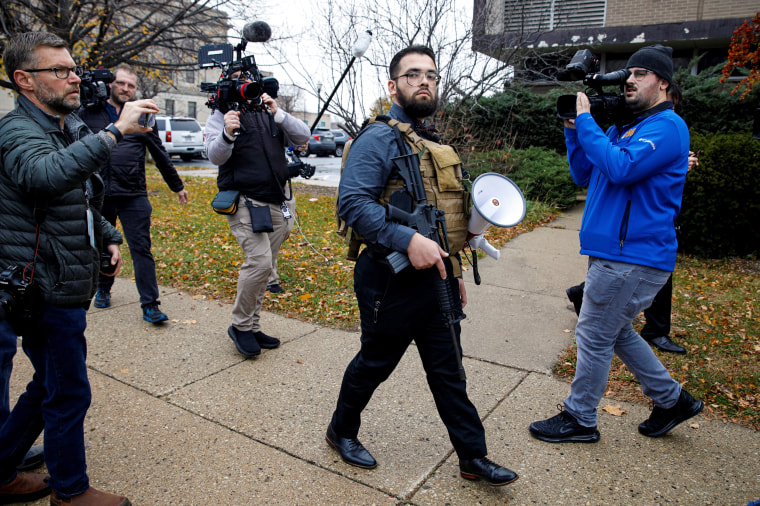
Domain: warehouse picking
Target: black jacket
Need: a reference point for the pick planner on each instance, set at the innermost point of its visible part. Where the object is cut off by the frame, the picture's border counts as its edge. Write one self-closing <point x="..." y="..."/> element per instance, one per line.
<point x="257" y="166"/>
<point x="37" y="158"/>
<point x="124" y="172"/>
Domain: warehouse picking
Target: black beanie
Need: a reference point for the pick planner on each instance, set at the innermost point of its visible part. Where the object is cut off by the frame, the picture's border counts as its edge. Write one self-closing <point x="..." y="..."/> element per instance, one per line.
<point x="657" y="58"/>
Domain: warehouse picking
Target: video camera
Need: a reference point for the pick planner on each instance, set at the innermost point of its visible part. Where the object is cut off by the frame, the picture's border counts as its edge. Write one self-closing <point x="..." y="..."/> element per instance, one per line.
<point x="235" y="93"/>
<point x="94" y="89"/>
<point x="296" y="167"/>
<point x="605" y="107"/>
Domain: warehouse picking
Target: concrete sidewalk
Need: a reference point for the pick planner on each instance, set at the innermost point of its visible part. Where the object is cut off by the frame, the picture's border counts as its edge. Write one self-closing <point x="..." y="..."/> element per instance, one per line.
<point x="179" y="417"/>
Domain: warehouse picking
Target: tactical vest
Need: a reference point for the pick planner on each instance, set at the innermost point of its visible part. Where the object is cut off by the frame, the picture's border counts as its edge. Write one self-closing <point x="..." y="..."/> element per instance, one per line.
<point x="441" y="171"/>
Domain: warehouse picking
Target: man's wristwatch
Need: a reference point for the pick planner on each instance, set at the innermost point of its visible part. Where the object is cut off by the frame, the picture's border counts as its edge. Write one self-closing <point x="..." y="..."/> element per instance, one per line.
<point x="115" y="131"/>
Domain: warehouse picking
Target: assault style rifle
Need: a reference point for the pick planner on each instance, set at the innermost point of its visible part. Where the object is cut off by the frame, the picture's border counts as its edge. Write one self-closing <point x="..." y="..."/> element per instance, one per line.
<point x="430" y="222"/>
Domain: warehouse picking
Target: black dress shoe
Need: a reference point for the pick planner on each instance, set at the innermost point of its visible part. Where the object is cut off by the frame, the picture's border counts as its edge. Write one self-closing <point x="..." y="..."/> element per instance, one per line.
<point x="663" y="343"/>
<point x="575" y="294"/>
<point x="350" y="450"/>
<point x="34" y="458"/>
<point x="494" y="474"/>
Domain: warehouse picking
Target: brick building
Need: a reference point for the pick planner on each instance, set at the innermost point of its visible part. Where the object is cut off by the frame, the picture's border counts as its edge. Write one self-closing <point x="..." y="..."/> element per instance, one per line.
<point x="612" y="29"/>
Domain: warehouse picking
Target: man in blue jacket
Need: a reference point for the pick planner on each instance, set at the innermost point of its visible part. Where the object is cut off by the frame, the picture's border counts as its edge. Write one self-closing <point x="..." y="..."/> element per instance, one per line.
<point x="635" y="177"/>
<point x="126" y="194"/>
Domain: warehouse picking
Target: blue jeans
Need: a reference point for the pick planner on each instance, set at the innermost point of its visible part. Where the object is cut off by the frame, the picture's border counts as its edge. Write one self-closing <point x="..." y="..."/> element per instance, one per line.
<point x="614" y="295"/>
<point x="134" y="214"/>
<point x="8" y="345"/>
<point x="56" y="399"/>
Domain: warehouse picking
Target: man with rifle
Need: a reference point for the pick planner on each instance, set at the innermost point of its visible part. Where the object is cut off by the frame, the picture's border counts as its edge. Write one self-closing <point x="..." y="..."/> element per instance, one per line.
<point x="408" y="285"/>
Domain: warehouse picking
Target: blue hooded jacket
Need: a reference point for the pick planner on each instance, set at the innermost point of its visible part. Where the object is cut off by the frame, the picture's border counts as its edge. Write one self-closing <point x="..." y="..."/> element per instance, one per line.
<point x="635" y="177"/>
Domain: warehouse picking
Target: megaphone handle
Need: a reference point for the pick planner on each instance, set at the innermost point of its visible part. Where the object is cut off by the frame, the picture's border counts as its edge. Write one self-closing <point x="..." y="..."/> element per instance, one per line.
<point x="475" y="272"/>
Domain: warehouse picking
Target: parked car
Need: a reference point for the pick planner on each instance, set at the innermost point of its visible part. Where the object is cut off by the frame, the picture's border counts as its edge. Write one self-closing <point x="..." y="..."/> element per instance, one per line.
<point x="322" y="143"/>
<point x="341" y="138"/>
<point x="181" y="137"/>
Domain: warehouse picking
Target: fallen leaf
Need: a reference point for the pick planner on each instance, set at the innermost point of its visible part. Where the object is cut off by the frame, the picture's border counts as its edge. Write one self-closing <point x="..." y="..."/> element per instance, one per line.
<point x="614" y="410"/>
<point x="694" y="425"/>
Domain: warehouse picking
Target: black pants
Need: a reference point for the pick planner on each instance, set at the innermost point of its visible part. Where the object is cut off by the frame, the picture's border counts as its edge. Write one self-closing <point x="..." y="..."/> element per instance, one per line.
<point x="134" y="214"/>
<point x="658" y="315"/>
<point x="394" y="311"/>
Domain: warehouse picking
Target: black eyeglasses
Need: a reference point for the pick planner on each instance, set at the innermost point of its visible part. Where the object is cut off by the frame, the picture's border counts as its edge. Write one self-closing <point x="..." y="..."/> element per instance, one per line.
<point x="61" y="72"/>
<point x="640" y="74"/>
<point x="414" y="78"/>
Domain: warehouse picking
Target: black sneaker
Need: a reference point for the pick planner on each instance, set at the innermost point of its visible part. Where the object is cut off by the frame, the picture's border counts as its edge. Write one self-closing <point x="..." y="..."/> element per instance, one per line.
<point x="102" y="299"/>
<point x="152" y="314"/>
<point x="563" y="428"/>
<point x="265" y="341"/>
<point x="662" y="420"/>
<point x="245" y="342"/>
<point x="275" y="288"/>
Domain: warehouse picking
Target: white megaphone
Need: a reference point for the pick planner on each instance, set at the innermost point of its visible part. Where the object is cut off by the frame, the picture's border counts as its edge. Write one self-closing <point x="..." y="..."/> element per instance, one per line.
<point x="496" y="201"/>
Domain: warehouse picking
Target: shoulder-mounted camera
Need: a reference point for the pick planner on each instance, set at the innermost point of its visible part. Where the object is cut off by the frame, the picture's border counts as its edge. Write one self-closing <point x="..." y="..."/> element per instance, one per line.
<point x="95" y="87"/>
<point x="606" y="107"/>
<point x="242" y="92"/>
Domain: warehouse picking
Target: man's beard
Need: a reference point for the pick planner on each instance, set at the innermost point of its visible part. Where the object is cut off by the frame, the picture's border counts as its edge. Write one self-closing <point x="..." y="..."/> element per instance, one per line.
<point x="416" y="108"/>
<point x="59" y="104"/>
<point x="118" y="102"/>
<point x="638" y="103"/>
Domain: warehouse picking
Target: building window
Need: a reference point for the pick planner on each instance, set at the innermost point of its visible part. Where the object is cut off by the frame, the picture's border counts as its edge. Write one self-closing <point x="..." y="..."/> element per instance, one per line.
<point x="190" y="77"/>
<point x="523" y="16"/>
<point x="169" y="107"/>
<point x="191" y="110"/>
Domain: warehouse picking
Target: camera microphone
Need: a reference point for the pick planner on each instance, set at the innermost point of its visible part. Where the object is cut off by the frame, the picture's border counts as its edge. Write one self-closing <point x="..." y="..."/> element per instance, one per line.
<point x="258" y="31"/>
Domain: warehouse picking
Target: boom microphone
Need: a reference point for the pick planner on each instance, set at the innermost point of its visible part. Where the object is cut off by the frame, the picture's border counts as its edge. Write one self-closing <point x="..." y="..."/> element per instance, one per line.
<point x="258" y="31"/>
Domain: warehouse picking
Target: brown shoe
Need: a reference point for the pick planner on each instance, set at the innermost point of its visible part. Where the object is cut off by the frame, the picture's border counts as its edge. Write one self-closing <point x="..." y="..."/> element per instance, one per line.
<point x="90" y="497"/>
<point x="25" y="487"/>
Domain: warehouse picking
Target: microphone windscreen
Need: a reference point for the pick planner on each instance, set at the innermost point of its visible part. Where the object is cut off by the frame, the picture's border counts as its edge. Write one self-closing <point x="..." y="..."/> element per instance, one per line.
<point x="258" y="31"/>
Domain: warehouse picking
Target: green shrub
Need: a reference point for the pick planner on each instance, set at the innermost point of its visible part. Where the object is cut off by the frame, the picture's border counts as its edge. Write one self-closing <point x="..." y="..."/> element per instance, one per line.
<point x="721" y="202"/>
<point x="709" y="107"/>
<point x="541" y="174"/>
<point x="516" y="118"/>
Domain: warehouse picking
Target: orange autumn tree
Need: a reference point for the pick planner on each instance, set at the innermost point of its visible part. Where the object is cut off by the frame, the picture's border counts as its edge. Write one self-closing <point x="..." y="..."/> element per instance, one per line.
<point x="744" y="52"/>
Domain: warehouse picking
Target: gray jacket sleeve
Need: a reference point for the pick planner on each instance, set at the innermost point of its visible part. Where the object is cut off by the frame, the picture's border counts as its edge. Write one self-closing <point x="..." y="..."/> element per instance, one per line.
<point x="218" y="150"/>
<point x="296" y="131"/>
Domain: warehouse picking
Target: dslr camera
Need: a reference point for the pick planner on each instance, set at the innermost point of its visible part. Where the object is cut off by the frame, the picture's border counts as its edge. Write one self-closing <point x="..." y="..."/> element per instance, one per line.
<point x="95" y="87"/>
<point x="296" y="167"/>
<point x="243" y="93"/>
<point x="605" y="106"/>
<point x="19" y="299"/>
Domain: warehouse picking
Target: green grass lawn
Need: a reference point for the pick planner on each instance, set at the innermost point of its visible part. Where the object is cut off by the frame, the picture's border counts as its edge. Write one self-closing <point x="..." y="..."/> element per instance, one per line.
<point x="716" y="307"/>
